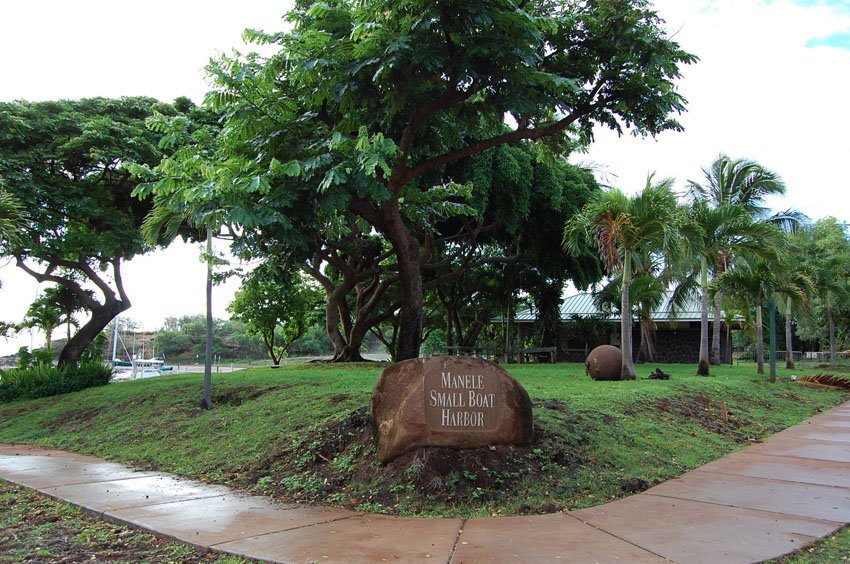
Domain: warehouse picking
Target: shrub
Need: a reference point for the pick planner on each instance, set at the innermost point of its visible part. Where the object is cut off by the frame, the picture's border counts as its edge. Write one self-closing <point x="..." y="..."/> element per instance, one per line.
<point x="27" y="359"/>
<point x="44" y="380"/>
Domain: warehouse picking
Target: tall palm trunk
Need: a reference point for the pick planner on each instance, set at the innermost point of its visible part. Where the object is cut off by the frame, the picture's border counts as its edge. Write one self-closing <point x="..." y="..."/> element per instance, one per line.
<point x="759" y="340"/>
<point x="789" y="341"/>
<point x="715" y="357"/>
<point x="702" y="369"/>
<point x="627" y="371"/>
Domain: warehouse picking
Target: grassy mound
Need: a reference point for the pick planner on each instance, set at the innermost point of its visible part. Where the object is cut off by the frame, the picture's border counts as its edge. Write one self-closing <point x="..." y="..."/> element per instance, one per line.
<point x="303" y="433"/>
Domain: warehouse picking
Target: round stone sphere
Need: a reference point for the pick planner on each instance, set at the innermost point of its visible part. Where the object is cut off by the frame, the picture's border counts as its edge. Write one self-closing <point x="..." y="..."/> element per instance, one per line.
<point x="605" y="362"/>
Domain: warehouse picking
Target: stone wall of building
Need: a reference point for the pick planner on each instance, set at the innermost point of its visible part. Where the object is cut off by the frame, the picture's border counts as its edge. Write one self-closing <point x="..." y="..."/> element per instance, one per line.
<point x="676" y="346"/>
<point x="672" y="346"/>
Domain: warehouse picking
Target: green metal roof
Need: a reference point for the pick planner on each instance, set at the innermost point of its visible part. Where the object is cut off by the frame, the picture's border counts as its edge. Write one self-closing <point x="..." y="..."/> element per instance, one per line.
<point x="582" y="305"/>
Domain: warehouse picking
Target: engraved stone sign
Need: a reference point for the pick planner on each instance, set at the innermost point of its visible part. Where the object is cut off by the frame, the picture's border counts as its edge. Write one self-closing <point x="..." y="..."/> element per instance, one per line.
<point x="458" y="402"/>
<point x="465" y="402"/>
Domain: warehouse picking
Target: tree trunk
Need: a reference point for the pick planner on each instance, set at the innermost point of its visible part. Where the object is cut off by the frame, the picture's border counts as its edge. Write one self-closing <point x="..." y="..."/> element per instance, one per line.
<point x="642" y="355"/>
<point x="759" y="340"/>
<point x="407" y="251"/>
<point x="831" y="319"/>
<point x="100" y="318"/>
<point x="789" y="340"/>
<point x="728" y="354"/>
<point x="206" y="399"/>
<point x="716" y="357"/>
<point x="269" y="340"/>
<point x="702" y="368"/>
<point x="353" y="343"/>
<point x="647" y="341"/>
<point x="332" y="322"/>
<point x="627" y="371"/>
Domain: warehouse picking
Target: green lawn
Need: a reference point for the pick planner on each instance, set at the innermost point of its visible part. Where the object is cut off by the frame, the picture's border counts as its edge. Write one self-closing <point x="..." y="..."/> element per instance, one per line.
<point x="301" y="433"/>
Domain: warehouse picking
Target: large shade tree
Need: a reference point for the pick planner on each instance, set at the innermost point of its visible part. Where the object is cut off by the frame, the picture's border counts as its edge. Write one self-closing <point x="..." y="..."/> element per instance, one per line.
<point x="64" y="162"/>
<point x="628" y="232"/>
<point x="369" y="102"/>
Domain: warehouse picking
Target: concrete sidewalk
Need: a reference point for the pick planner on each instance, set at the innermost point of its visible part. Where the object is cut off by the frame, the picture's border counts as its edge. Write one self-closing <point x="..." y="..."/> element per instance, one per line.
<point x="759" y="503"/>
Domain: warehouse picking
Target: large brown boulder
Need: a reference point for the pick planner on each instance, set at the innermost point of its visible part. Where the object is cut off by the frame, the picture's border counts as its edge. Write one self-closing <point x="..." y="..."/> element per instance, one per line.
<point x="605" y="362"/>
<point x="450" y="401"/>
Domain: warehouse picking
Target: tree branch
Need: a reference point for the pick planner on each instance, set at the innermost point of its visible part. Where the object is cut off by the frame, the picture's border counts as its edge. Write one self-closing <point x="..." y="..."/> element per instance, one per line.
<point x="72" y="285"/>
<point x="456" y="273"/>
<point x="401" y="173"/>
<point x="119" y="282"/>
<point x="513" y="136"/>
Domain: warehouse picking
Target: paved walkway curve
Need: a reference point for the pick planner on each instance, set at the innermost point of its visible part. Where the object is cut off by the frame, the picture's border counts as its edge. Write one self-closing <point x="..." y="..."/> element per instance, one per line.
<point x="759" y="503"/>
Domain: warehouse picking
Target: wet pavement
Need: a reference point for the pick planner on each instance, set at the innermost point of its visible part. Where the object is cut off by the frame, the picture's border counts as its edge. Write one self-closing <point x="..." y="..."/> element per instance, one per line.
<point x="759" y="503"/>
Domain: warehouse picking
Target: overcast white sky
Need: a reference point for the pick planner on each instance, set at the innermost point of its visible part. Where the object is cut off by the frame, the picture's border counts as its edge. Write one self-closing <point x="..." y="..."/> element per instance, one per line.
<point x="772" y="85"/>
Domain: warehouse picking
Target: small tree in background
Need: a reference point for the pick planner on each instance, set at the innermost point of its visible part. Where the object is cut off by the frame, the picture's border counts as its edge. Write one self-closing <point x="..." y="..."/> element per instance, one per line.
<point x="43" y="314"/>
<point x="825" y="257"/>
<point x="278" y="306"/>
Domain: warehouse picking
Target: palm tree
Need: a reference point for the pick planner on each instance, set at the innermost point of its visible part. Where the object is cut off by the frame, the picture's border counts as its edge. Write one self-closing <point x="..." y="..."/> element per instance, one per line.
<point x="790" y="221"/>
<point x="625" y="231"/>
<point x="717" y="235"/>
<point x="738" y="182"/>
<point x="735" y="183"/>
<point x="44" y="314"/>
<point x="754" y="280"/>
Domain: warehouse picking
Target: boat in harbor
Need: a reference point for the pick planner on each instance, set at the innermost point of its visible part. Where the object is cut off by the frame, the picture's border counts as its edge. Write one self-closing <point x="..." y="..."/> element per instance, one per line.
<point x="139" y="368"/>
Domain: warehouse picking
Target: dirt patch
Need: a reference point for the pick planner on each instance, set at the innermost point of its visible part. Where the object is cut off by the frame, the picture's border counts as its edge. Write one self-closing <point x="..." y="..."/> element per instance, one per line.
<point x="72" y="421"/>
<point x="136" y="402"/>
<point x="337" y="463"/>
<point x="12" y="412"/>
<point x="556" y="405"/>
<point x="710" y="414"/>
